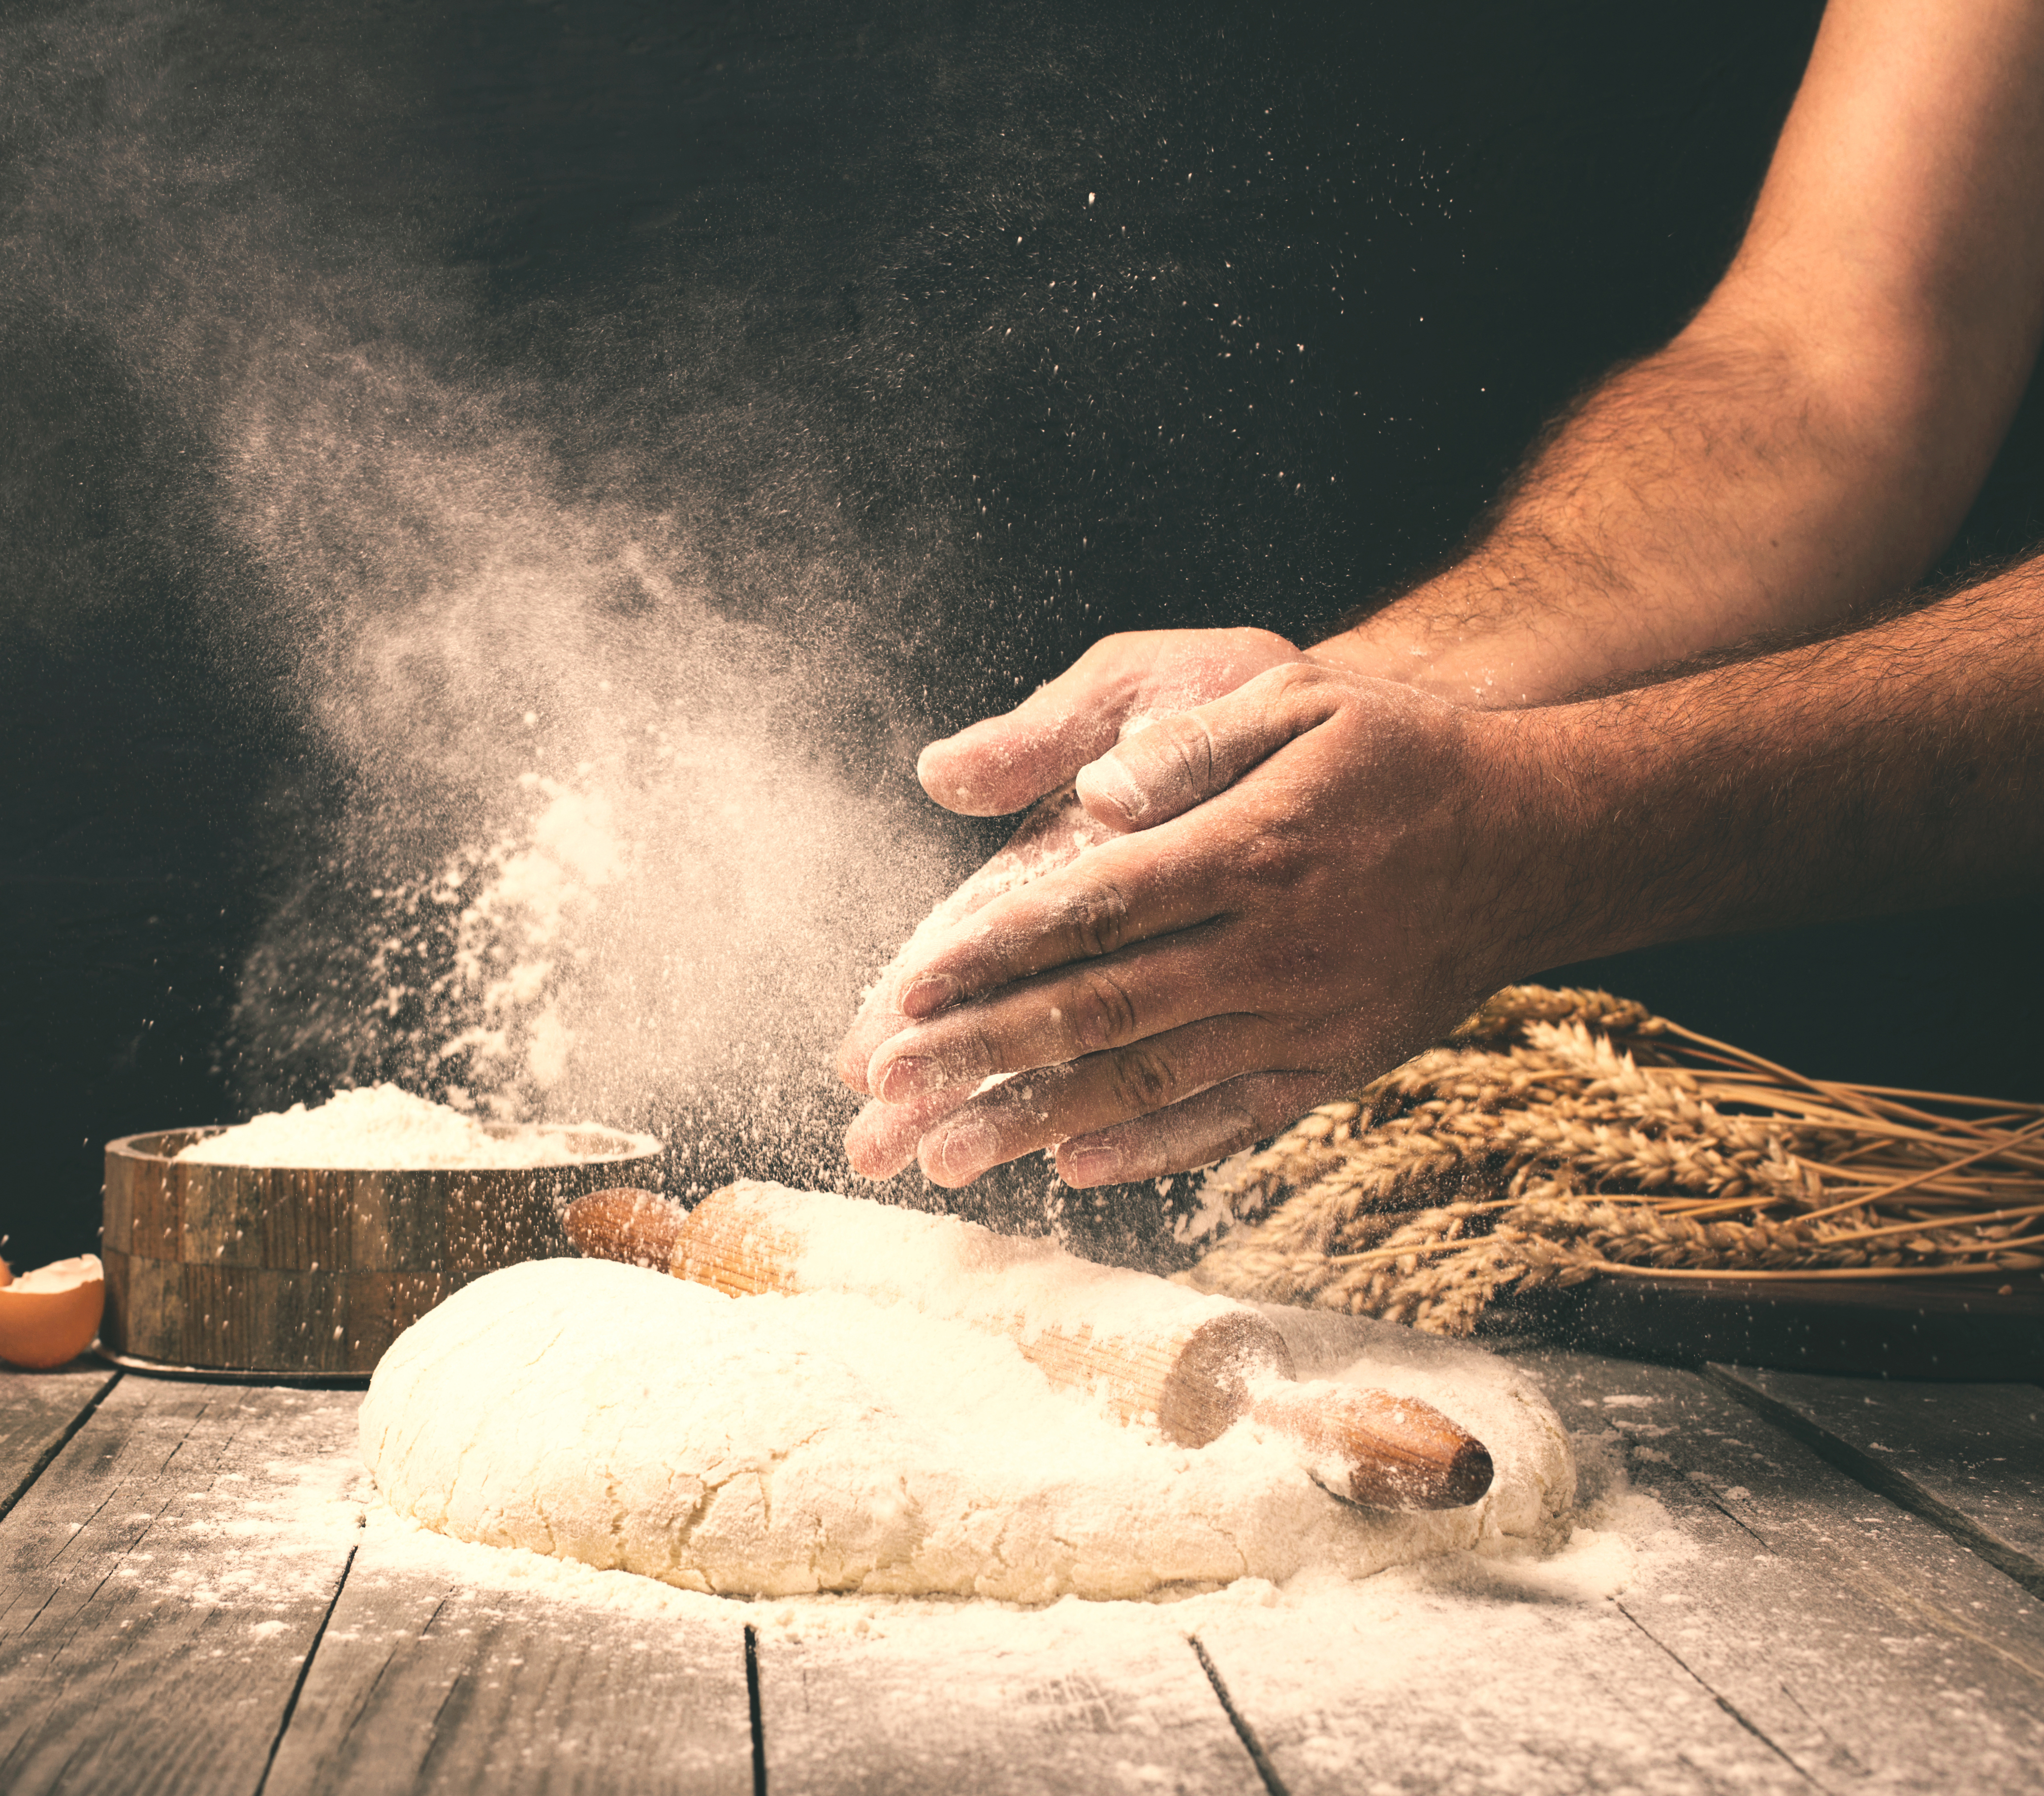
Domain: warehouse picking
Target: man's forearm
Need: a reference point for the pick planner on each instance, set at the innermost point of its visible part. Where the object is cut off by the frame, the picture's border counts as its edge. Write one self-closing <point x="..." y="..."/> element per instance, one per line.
<point x="1714" y="492"/>
<point x="1902" y="765"/>
<point x="1810" y="440"/>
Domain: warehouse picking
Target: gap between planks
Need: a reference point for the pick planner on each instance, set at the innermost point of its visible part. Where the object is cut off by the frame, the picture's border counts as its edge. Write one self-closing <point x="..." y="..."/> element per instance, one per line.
<point x="1718" y="1696"/>
<point x="142" y="1596"/>
<point x="1244" y="1732"/>
<point x="31" y="1448"/>
<point x="306" y="1670"/>
<point x="1885" y="1477"/>
<point x="1841" y="1630"/>
<point x="429" y="1678"/>
<point x="752" y="1710"/>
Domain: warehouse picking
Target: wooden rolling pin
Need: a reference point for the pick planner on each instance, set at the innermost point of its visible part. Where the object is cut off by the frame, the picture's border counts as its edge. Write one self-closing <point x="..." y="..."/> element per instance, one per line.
<point x="1147" y="1350"/>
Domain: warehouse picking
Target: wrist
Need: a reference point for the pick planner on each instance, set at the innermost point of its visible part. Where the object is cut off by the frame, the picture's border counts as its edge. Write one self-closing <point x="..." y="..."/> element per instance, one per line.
<point x="1479" y="636"/>
<point x="1372" y="653"/>
<point x="1559" y="837"/>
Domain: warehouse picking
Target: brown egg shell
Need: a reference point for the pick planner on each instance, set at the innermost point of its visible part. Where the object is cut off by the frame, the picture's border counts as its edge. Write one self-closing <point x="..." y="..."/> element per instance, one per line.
<point x="40" y="1330"/>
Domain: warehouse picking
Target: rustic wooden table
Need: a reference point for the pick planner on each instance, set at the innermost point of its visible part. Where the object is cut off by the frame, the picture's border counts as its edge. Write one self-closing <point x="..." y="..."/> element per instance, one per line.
<point x="1859" y="1605"/>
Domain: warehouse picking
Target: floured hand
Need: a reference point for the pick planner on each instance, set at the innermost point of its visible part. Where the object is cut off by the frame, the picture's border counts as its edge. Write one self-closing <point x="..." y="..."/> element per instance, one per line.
<point x="1028" y="757"/>
<point x="1302" y="884"/>
<point x="882" y="1139"/>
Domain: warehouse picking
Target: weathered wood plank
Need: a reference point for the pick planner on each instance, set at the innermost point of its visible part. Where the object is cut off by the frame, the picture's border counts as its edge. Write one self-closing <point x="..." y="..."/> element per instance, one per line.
<point x="1968" y="1457"/>
<point x="161" y="1584"/>
<point x="1864" y="1643"/>
<point x="426" y="1681"/>
<point x="1428" y="1685"/>
<point x="38" y="1410"/>
<point x="1469" y="1674"/>
<point x="1078" y="1698"/>
<point x="1799" y="1632"/>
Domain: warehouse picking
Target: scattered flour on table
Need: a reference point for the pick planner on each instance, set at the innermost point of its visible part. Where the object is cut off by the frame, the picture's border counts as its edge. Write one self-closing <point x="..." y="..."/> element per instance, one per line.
<point x="1498" y="1640"/>
<point x="775" y="1446"/>
<point x="380" y="1127"/>
<point x="254" y="1543"/>
<point x="256" y="1527"/>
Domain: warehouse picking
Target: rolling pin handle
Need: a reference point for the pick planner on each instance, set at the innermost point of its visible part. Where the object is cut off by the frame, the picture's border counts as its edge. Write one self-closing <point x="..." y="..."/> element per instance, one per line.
<point x="1381" y="1451"/>
<point x="638" y="1228"/>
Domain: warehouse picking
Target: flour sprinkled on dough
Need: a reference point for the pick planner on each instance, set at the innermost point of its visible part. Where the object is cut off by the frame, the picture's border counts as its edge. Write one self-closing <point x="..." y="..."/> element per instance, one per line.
<point x="780" y="1446"/>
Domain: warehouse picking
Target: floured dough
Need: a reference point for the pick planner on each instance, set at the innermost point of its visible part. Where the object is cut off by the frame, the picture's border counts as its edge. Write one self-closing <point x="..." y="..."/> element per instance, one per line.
<point x="777" y="1445"/>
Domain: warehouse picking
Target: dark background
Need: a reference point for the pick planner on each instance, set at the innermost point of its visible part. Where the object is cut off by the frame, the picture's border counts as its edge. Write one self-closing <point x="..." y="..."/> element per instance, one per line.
<point x="1341" y="263"/>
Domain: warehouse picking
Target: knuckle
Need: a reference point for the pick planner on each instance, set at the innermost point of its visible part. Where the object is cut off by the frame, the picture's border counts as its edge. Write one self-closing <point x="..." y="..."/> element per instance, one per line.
<point x="1144" y="1079"/>
<point x="1267" y="858"/>
<point x="1188" y="752"/>
<point x="1101" y="1014"/>
<point x="1291" y="684"/>
<point x="1096" y="917"/>
<point x="1289" y="677"/>
<point x="1113" y="655"/>
<point x="969" y="1056"/>
<point x="1267" y="640"/>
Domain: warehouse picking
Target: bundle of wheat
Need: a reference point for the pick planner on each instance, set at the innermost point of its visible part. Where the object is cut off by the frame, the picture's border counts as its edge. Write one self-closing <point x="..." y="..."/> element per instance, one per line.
<point x="1562" y="1134"/>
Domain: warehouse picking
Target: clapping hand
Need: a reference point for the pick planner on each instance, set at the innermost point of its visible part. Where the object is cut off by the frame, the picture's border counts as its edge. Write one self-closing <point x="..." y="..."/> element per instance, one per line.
<point x="1242" y="908"/>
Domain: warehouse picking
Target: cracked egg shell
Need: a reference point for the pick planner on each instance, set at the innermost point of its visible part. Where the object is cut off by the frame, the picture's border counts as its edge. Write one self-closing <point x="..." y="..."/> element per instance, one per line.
<point x="49" y="1316"/>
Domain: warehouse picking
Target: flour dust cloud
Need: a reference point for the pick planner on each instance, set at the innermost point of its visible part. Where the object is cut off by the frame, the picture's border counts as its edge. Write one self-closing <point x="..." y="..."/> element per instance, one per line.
<point x="597" y="446"/>
<point x="595" y="804"/>
<point x="606" y="850"/>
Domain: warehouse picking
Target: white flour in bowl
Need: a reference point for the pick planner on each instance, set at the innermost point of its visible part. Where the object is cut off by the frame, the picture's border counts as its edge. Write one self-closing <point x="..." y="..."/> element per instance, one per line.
<point x="381" y="1129"/>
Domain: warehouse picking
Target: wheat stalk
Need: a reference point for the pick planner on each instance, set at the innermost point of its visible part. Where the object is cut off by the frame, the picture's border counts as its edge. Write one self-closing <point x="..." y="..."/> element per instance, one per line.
<point x="1559" y="1134"/>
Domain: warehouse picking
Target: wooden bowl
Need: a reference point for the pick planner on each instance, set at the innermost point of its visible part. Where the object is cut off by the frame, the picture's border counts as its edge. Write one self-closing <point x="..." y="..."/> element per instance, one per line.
<point x="316" y="1272"/>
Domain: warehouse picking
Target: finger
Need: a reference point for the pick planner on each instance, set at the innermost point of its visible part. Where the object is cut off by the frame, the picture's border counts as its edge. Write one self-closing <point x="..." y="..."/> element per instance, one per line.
<point x="882" y="1138"/>
<point x="1055" y="832"/>
<point x="1162" y="771"/>
<point x="1001" y="764"/>
<point x="1038" y="1109"/>
<point x="874" y="1024"/>
<point x="1117" y="895"/>
<point x="1203" y="1129"/>
<point x="1059" y="1016"/>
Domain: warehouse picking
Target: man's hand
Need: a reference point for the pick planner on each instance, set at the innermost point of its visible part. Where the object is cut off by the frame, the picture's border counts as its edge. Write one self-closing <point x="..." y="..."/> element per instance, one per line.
<point x="1312" y="877"/>
<point x="1029" y="756"/>
<point x="1336" y="869"/>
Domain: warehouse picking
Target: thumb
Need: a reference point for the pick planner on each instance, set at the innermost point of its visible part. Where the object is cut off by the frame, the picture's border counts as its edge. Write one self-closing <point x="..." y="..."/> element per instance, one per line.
<point x="1157" y="773"/>
<point x="1008" y="762"/>
<point x="1002" y="764"/>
